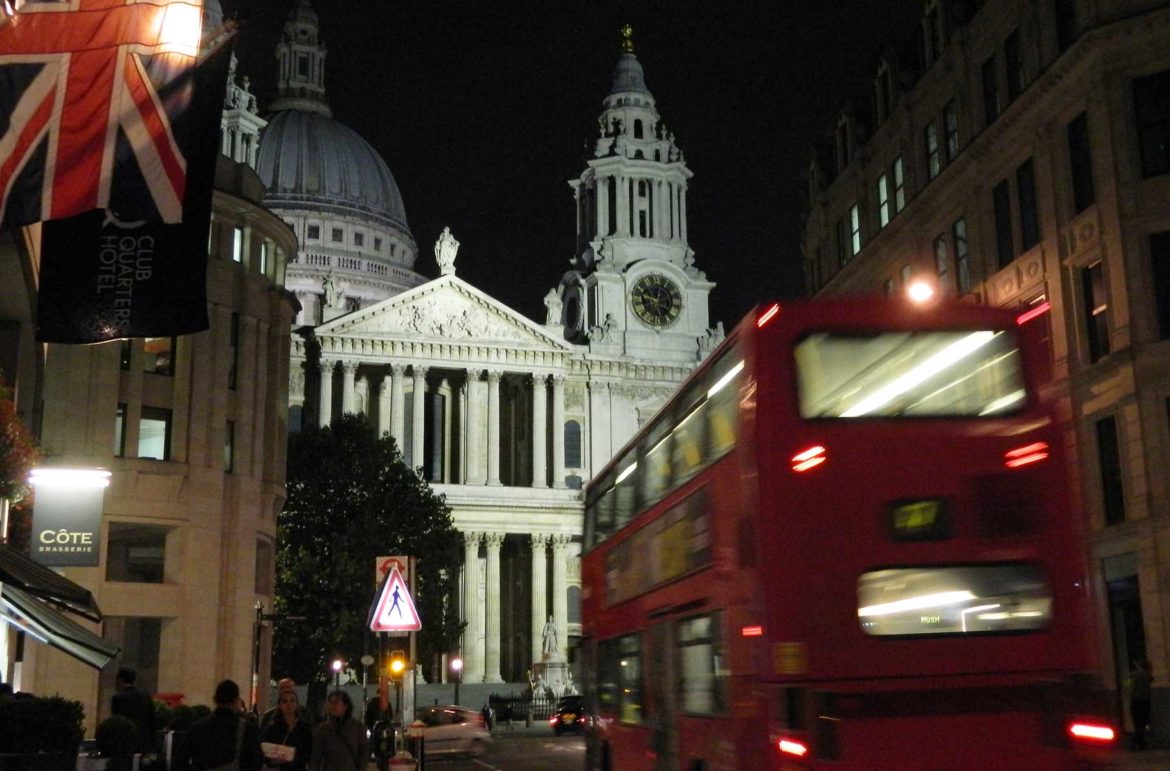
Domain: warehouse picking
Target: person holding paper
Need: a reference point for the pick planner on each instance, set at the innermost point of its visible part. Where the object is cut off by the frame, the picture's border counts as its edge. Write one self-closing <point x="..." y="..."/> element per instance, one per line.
<point x="287" y="741"/>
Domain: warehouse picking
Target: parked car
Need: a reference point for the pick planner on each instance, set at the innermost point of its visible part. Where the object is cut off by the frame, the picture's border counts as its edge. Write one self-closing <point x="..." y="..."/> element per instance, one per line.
<point x="453" y="730"/>
<point x="569" y="715"/>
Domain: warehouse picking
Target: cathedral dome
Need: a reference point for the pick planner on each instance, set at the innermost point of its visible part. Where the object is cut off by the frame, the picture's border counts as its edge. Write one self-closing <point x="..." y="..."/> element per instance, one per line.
<point x="308" y="160"/>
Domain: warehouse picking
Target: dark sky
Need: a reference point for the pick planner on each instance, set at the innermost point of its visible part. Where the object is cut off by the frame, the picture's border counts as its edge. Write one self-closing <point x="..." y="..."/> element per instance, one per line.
<point x="483" y="109"/>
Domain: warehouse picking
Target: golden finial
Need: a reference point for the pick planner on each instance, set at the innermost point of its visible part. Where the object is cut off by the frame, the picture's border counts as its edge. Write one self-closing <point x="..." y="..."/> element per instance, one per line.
<point x="627" y="39"/>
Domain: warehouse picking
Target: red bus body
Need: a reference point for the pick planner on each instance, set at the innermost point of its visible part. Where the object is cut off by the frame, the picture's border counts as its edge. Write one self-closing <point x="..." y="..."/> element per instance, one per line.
<point x="862" y="591"/>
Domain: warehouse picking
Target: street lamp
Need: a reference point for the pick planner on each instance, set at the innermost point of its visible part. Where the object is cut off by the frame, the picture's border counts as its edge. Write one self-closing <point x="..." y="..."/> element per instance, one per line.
<point x="337" y="674"/>
<point x="457" y="668"/>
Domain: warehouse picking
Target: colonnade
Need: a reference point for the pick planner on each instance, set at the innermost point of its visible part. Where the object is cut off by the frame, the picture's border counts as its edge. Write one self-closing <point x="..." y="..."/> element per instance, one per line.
<point x="473" y="469"/>
<point x="481" y="663"/>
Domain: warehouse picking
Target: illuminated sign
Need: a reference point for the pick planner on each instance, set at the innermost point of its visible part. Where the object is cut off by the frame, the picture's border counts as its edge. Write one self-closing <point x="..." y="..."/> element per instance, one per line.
<point x="67" y="519"/>
<point x="394" y="609"/>
<point x="919" y="520"/>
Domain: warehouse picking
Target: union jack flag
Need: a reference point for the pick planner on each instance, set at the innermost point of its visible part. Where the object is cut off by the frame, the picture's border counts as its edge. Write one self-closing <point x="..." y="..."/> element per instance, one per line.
<point x="93" y="98"/>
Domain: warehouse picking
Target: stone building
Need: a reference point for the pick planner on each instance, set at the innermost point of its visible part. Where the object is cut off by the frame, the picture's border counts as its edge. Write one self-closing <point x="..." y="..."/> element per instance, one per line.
<point x="193" y="430"/>
<point x="504" y="415"/>
<point x="1020" y="159"/>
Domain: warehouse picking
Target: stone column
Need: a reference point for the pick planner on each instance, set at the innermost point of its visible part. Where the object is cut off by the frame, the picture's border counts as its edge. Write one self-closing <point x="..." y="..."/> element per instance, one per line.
<point x="398" y="404"/>
<point x="622" y="189"/>
<point x="472" y="462"/>
<point x="348" y="373"/>
<point x="491" y="674"/>
<point x="493" y="428"/>
<point x="602" y="184"/>
<point x="539" y="430"/>
<point x="539" y="592"/>
<point x="384" y="405"/>
<point x="472" y="653"/>
<point x="682" y="213"/>
<point x="325" y="408"/>
<point x="418" y="435"/>
<point x="558" y="430"/>
<point x="560" y="592"/>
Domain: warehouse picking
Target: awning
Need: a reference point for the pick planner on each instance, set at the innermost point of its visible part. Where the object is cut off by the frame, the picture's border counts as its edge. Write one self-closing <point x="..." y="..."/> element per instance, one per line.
<point x="36" y="618"/>
<point x="34" y="578"/>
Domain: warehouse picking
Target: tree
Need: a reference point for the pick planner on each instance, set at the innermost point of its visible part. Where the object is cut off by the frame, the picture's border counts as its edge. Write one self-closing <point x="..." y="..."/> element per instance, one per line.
<point x="352" y="498"/>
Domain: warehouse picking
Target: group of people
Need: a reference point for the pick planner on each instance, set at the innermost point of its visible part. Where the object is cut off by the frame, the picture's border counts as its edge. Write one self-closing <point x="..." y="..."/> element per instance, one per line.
<point x="285" y="737"/>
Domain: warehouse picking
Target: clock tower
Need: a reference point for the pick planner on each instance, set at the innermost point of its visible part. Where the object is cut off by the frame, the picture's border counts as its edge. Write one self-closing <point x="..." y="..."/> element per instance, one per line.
<point x="634" y="289"/>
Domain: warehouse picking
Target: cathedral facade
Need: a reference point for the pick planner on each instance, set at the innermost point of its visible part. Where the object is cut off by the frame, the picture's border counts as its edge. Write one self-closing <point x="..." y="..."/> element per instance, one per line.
<point x="506" y="416"/>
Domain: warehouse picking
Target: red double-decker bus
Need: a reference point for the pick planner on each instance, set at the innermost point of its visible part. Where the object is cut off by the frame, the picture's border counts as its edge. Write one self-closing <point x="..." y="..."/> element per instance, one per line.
<point x="845" y="542"/>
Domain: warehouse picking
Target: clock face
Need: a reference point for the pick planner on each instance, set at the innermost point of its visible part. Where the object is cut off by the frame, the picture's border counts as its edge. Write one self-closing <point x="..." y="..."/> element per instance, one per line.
<point x="656" y="300"/>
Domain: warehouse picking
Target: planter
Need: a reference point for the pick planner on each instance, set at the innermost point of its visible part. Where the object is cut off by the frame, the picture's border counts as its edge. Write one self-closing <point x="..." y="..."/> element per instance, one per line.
<point x="39" y="761"/>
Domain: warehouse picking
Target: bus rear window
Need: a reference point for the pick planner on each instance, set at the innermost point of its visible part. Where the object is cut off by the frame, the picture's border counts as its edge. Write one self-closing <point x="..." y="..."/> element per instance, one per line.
<point x="965" y="373"/>
<point x="958" y="600"/>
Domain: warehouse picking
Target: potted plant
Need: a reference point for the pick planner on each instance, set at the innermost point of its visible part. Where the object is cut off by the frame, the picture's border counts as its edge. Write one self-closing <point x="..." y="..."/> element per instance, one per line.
<point x="40" y="734"/>
<point x="116" y="738"/>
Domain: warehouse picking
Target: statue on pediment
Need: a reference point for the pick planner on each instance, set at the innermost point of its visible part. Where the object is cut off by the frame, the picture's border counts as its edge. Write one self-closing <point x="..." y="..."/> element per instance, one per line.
<point x="445" y="249"/>
<point x="552" y="304"/>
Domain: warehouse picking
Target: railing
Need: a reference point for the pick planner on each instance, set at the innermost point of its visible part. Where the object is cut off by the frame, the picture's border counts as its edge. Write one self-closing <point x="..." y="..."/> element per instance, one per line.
<point x="517" y="708"/>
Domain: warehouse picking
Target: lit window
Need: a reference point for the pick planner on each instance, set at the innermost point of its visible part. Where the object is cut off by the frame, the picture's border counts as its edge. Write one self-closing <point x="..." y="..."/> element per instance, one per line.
<point x="962" y="255"/>
<point x="1096" y="310"/>
<point x="237" y="244"/>
<point x="154" y="434"/>
<point x="265" y="246"/>
<point x="159" y="355"/>
<point x="933" y="153"/>
<point x="899" y="186"/>
<point x="855" y="229"/>
<point x="883" y="196"/>
<point x="120" y="432"/>
<point x="941" y="261"/>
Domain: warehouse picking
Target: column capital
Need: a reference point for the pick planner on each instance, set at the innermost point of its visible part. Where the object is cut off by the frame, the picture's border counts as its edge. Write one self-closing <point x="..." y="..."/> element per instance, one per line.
<point x="558" y="379"/>
<point x="539" y="377"/>
<point x="493" y="540"/>
<point x="325" y="364"/>
<point x="420" y="370"/>
<point x="560" y="540"/>
<point x="494" y="376"/>
<point x="539" y="540"/>
<point x="473" y="373"/>
<point x="397" y="369"/>
<point x="349" y="366"/>
<point x="472" y="538"/>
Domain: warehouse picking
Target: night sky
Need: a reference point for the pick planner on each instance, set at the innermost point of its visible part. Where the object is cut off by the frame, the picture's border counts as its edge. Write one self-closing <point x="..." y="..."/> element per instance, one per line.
<point x="483" y="111"/>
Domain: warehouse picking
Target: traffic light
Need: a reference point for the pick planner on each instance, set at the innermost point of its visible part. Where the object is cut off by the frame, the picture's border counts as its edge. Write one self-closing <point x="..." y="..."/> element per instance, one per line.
<point x="397" y="664"/>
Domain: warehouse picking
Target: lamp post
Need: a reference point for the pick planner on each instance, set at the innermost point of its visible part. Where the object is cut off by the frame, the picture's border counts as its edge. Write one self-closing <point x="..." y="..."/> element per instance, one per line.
<point x="457" y="668"/>
<point x="337" y="674"/>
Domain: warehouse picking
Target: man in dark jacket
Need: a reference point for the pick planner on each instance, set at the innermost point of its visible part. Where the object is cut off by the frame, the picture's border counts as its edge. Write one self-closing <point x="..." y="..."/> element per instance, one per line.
<point x="134" y="703"/>
<point x="225" y="735"/>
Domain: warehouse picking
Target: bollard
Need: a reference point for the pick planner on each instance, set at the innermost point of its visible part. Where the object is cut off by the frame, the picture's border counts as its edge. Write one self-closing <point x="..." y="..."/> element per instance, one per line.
<point x="417" y="733"/>
<point x="402" y="761"/>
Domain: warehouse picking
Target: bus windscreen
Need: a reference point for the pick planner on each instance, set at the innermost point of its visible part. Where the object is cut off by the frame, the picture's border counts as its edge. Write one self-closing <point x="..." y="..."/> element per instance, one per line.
<point x="891" y="374"/>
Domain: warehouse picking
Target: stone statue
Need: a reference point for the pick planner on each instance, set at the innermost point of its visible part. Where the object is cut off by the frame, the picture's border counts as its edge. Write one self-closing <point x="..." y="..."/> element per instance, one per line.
<point x="606" y="332"/>
<point x="552" y="301"/>
<point x="550" y="637"/>
<point x="445" y="249"/>
<point x="332" y="292"/>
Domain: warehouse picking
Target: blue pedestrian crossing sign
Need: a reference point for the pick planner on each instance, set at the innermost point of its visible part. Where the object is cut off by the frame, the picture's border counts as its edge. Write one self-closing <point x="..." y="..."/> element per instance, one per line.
<point x="394" y="609"/>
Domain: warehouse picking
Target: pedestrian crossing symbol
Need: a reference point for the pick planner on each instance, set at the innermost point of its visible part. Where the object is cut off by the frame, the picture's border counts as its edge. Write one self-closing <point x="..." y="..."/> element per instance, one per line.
<point x="394" y="610"/>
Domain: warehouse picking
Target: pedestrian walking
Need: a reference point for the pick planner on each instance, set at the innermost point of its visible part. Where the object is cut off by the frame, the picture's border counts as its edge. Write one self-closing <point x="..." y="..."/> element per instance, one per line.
<point x="287" y="741"/>
<point x="225" y="740"/>
<point x="340" y="743"/>
<point x="132" y="702"/>
<point x="1139" y="702"/>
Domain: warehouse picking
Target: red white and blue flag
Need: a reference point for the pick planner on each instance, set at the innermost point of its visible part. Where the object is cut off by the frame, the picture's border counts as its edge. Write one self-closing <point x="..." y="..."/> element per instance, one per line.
<point x="93" y="95"/>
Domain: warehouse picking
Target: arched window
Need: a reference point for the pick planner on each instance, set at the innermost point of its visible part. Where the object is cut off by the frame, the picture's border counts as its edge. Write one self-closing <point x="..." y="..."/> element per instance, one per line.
<point x="637" y="128"/>
<point x="572" y="444"/>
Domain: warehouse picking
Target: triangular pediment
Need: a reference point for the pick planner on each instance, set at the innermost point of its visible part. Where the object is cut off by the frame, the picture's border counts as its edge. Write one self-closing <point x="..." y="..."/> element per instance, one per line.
<point x="446" y="309"/>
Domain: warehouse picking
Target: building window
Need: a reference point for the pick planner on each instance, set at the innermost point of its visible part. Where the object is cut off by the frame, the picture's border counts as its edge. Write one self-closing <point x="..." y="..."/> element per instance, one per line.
<point x="933" y="153"/>
<point x="941" y="261"/>
<point x="854" y="229"/>
<point x="265" y="567"/>
<point x="1109" y="466"/>
<point x="951" y="126"/>
<point x="888" y="286"/>
<point x="899" y="185"/>
<point x="136" y="553"/>
<point x="1014" y="65"/>
<point x="1029" y="215"/>
<point x="120" y="432"/>
<point x="1004" y="247"/>
<point x="337" y="236"/>
<point x="359" y="239"/>
<point x="962" y="256"/>
<point x="905" y="275"/>
<point x="313" y="232"/>
<point x="1080" y="161"/>
<point x="844" y="151"/>
<point x="842" y="249"/>
<point x="265" y="247"/>
<point x="234" y="352"/>
<point x="377" y="244"/>
<point x="883" y="198"/>
<point x="159" y="355"/>
<point x="572" y="444"/>
<point x="932" y="33"/>
<point x="237" y="244"/>
<point x="1151" y="99"/>
<point x="991" y="104"/>
<point x="154" y="434"/>
<point x="1160" y="265"/>
<point x="1096" y="310"/>
<point x="883" y="92"/>
<point x="637" y="128"/>
<point x="229" y="447"/>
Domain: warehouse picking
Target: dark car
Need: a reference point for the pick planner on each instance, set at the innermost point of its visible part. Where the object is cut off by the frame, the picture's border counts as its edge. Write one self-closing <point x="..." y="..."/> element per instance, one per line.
<point x="569" y="715"/>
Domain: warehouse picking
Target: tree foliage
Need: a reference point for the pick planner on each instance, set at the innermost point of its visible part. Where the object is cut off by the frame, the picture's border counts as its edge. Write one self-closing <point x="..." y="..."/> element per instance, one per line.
<point x="352" y="498"/>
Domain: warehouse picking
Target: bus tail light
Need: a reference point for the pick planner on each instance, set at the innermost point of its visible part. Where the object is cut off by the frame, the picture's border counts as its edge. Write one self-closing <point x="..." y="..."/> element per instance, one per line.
<point x="768" y="315"/>
<point x="792" y="747"/>
<point x="1091" y="732"/>
<point x="1028" y="454"/>
<point x="810" y="458"/>
<point x="1028" y="315"/>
